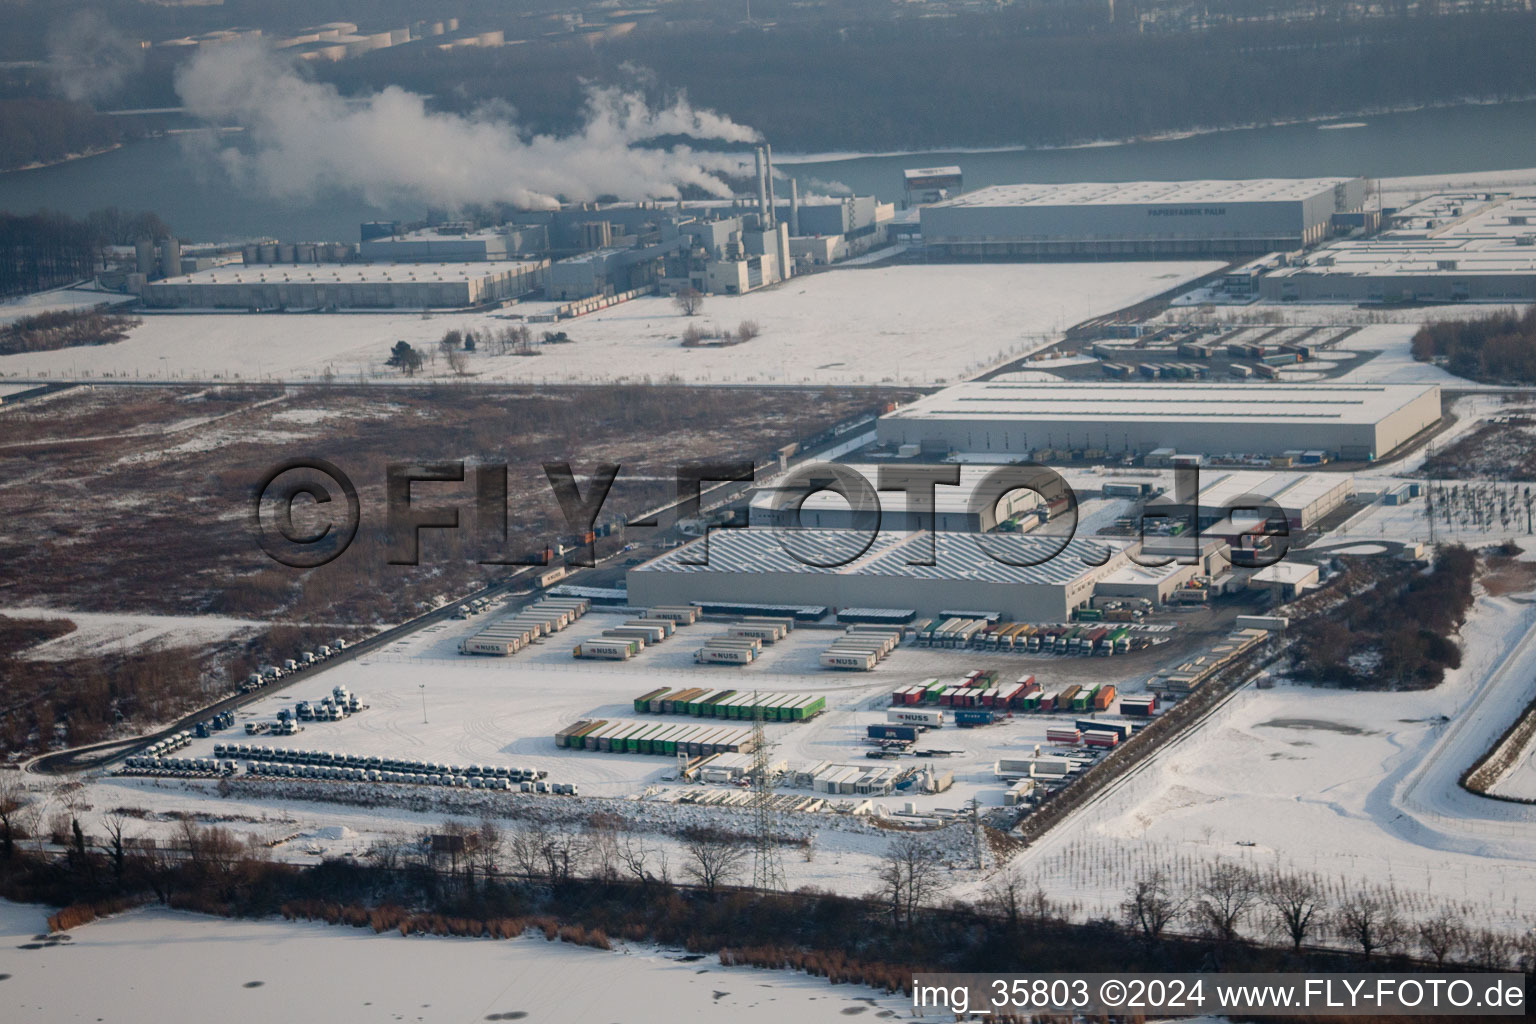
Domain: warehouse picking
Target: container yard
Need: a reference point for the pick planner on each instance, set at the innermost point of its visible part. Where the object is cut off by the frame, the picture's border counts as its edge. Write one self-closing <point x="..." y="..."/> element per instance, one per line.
<point x="512" y="633"/>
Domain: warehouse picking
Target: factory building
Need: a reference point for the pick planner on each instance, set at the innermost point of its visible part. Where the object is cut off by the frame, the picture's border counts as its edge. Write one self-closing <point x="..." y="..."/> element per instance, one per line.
<point x="952" y="506"/>
<point x="1139" y="219"/>
<point x="1455" y="247"/>
<point x="930" y="185"/>
<point x="1303" y="499"/>
<point x="382" y="241"/>
<point x="769" y="566"/>
<point x="1350" y="421"/>
<point x="325" y="286"/>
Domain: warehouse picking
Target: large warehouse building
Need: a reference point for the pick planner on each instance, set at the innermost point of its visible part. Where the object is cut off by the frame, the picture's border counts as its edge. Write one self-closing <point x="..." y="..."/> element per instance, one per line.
<point x="322" y="286"/>
<point x="1349" y="421"/>
<point x="1139" y="218"/>
<point x="1455" y="247"/>
<point x="953" y="508"/>
<point x="768" y="566"/>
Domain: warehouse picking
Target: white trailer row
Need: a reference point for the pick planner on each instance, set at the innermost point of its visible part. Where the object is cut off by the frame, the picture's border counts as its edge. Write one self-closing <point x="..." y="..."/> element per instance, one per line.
<point x="507" y="636"/>
<point x="860" y="648"/>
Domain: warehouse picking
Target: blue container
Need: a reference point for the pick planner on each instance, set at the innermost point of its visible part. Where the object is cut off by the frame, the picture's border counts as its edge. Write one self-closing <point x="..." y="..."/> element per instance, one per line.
<point x="974" y="716"/>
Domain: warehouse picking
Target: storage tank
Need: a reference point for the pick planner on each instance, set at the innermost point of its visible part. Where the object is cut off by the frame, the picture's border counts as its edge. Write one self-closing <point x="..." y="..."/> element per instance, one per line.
<point x="170" y="256"/>
<point x="144" y="256"/>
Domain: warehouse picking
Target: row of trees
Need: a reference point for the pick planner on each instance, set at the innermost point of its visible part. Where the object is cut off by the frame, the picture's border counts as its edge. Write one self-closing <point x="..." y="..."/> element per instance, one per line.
<point x="47" y="332"/>
<point x="598" y="876"/>
<point x="1232" y="903"/>
<point x="46" y="250"/>
<point x="1498" y="348"/>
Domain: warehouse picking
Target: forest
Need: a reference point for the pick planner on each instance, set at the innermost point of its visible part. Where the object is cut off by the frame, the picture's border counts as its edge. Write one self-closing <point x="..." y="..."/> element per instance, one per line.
<point x="43" y="131"/>
<point x="48" y="250"/>
<point x="1498" y="348"/>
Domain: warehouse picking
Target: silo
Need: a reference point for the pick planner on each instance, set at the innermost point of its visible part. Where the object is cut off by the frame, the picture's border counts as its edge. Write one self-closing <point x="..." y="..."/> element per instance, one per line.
<point x="269" y="252"/>
<point x="144" y="253"/>
<point x="285" y="252"/>
<point x="250" y="255"/>
<point x="170" y="256"/>
<point x="304" y="252"/>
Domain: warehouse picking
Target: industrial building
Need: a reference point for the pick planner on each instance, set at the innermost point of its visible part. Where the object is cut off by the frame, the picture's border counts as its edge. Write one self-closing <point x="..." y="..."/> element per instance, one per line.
<point x="1303" y="499"/>
<point x="769" y="566"/>
<point x="930" y="184"/>
<point x="324" y="286"/>
<point x="952" y="506"/>
<point x="1351" y="421"/>
<point x="1455" y="247"/>
<point x="1139" y="218"/>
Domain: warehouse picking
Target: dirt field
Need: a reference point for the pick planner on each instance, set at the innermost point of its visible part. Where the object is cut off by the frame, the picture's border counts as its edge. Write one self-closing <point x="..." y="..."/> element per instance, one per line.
<point x="136" y="500"/>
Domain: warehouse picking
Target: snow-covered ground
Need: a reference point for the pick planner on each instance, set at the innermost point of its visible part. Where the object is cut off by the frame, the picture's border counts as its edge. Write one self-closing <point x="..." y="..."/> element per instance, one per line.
<point x="57" y="300"/>
<point x="507" y="710"/>
<point x="1520" y="781"/>
<point x="904" y="324"/>
<point x="98" y="633"/>
<point x="1357" y="787"/>
<point x="159" y="965"/>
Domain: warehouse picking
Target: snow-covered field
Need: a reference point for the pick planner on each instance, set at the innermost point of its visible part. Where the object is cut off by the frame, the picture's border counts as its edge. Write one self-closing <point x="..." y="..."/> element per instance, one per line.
<point x="1357" y="787"/>
<point x="98" y="633"/>
<point x="176" y="968"/>
<point x="906" y="324"/>
<point x="57" y="300"/>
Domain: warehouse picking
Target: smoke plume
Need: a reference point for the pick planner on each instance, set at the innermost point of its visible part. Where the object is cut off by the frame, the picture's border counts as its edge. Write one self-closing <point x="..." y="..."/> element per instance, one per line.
<point x="304" y="137"/>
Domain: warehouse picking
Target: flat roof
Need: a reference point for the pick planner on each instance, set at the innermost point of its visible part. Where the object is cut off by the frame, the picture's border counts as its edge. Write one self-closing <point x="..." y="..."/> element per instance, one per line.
<point x="946" y="497"/>
<point x="1288" y="490"/>
<point x="350" y="273"/>
<point x="1453" y="234"/>
<point x="1088" y="193"/>
<point x="957" y="556"/>
<point x="1207" y="401"/>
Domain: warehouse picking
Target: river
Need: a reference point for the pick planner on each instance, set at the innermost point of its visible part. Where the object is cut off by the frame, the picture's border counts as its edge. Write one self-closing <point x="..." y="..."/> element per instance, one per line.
<point x="200" y="202"/>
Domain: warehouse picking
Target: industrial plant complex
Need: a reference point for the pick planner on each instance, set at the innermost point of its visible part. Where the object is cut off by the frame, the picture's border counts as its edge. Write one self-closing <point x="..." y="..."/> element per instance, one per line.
<point x="1349" y="421"/>
<point x="1140" y="219"/>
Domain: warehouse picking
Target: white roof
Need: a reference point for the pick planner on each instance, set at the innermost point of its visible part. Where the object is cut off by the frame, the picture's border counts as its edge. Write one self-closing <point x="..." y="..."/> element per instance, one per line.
<point x="1087" y="193"/>
<point x="946" y="497"/>
<point x="1287" y="490"/>
<point x="1286" y="572"/>
<point x="957" y="556"/>
<point x="349" y="273"/>
<point x="1209" y="402"/>
<point x="1452" y="234"/>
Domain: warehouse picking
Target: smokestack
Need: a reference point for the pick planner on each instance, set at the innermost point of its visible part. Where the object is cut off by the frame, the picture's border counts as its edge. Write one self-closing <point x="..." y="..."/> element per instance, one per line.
<point x="773" y="212"/>
<point x="794" y="207"/>
<point x="762" y="187"/>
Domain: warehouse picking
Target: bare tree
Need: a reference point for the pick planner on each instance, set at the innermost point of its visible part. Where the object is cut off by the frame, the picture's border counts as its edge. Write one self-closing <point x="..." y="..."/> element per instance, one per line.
<point x="1151" y="905"/>
<point x="911" y="877"/>
<point x="114" y="825"/>
<point x="13" y="803"/>
<point x="458" y="361"/>
<point x="1224" y="898"/>
<point x="1440" y="936"/>
<point x="1488" y="950"/>
<point x="1370" y="922"/>
<point x="634" y="857"/>
<point x="1297" y="903"/>
<point x="563" y="851"/>
<point x="525" y="847"/>
<point x="693" y="336"/>
<point x="688" y="300"/>
<point x="747" y="330"/>
<point x="714" y="857"/>
<point x="488" y="847"/>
